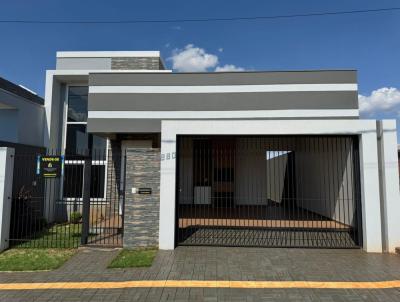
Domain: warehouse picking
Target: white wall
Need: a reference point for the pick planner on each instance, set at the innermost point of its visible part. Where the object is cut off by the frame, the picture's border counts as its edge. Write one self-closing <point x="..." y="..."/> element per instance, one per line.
<point x="6" y="176"/>
<point x="325" y="179"/>
<point x="9" y="125"/>
<point x="54" y="112"/>
<point x="390" y="201"/>
<point x="258" y="176"/>
<point x="366" y="129"/>
<point x="28" y="116"/>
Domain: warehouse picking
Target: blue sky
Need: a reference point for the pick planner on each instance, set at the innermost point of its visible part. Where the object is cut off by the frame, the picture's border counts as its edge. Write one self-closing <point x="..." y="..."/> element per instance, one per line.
<point x="367" y="42"/>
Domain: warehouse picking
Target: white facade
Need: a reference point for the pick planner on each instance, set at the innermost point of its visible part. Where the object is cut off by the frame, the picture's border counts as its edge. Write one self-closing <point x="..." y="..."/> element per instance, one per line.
<point x="378" y="158"/>
<point x="365" y="129"/>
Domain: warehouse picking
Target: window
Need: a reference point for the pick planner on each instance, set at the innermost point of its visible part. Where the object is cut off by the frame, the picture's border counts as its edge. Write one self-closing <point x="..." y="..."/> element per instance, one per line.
<point x="77" y="139"/>
<point x="79" y="143"/>
<point x="73" y="180"/>
<point x="77" y="103"/>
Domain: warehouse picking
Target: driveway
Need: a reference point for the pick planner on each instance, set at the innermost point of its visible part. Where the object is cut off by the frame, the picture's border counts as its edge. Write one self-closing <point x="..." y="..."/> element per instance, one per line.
<point x="336" y="274"/>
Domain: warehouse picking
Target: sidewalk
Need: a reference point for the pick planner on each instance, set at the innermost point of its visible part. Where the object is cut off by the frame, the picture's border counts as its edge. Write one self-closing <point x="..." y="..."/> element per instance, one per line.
<point x="195" y="264"/>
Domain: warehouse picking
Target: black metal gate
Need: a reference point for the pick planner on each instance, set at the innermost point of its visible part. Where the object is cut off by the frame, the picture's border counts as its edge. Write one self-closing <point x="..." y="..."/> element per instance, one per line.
<point x="287" y="191"/>
<point x="82" y="205"/>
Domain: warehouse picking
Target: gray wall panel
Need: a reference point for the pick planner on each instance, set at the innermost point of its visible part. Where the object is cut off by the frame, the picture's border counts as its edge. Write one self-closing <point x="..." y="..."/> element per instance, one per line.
<point x="224" y="101"/>
<point x="123" y="125"/>
<point x="83" y="63"/>
<point x="224" y="78"/>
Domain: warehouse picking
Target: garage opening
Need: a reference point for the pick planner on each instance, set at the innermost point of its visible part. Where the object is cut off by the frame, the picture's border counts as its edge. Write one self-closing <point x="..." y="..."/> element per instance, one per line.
<point x="270" y="191"/>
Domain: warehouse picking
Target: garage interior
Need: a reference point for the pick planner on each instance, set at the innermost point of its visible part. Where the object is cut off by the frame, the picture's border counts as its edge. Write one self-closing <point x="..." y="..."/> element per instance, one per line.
<point x="268" y="191"/>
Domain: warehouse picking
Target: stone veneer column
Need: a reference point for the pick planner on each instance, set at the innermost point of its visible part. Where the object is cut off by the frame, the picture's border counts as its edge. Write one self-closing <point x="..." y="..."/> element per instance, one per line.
<point x="141" y="217"/>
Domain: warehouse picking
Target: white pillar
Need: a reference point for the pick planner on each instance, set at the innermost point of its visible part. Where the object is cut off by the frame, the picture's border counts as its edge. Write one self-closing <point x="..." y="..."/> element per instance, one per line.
<point x="370" y="205"/>
<point x="390" y="185"/>
<point x="6" y="180"/>
<point x="167" y="191"/>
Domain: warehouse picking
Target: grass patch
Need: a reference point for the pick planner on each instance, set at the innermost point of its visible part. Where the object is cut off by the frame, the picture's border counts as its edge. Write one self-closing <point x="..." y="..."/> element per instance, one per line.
<point x="134" y="258"/>
<point x="65" y="236"/>
<point x="34" y="259"/>
<point x="58" y="236"/>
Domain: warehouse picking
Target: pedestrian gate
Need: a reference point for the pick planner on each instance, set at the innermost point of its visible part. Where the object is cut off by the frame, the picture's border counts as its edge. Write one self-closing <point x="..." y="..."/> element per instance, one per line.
<point x="79" y="201"/>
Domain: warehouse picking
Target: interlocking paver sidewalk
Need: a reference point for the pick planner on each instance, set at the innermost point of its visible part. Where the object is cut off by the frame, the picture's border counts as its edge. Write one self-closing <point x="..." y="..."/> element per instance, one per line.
<point x="211" y="263"/>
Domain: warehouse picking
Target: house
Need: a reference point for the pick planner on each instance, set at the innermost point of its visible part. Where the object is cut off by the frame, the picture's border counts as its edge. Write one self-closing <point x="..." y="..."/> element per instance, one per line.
<point x="272" y="159"/>
<point x="21" y="116"/>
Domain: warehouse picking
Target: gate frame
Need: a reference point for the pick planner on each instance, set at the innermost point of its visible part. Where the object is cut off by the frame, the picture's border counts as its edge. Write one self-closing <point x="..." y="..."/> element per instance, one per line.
<point x="354" y="141"/>
<point x="369" y="176"/>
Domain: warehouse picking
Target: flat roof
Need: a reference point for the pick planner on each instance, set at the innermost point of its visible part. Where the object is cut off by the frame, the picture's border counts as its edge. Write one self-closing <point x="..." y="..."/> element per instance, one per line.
<point x="107" y="54"/>
<point x="20" y="91"/>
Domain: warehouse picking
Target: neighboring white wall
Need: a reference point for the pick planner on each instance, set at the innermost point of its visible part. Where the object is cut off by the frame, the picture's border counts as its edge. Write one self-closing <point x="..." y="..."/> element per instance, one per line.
<point x="253" y="169"/>
<point x="9" y="125"/>
<point x="325" y="180"/>
<point x="29" y="119"/>
<point x="366" y="129"/>
<point x="6" y="178"/>
<point x="390" y="185"/>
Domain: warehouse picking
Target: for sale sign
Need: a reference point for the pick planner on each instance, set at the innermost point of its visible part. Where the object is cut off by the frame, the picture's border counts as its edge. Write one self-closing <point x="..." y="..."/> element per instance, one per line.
<point x="50" y="166"/>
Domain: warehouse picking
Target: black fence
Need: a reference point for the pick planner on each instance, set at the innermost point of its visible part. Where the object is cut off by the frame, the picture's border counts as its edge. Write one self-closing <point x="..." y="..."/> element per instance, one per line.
<point x="287" y="191"/>
<point x="63" y="201"/>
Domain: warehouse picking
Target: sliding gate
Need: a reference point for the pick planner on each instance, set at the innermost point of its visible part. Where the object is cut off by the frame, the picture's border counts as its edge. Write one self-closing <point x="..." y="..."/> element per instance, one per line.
<point x="272" y="191"/>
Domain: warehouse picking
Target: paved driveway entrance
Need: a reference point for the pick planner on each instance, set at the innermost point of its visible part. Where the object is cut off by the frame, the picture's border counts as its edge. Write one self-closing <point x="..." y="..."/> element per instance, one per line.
<point x="223" y="264"/>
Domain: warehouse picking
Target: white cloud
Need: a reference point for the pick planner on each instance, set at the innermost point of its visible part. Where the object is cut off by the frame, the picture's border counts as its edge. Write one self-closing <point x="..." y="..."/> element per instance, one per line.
<point x="229" y="67"/>
<point x="192" y="58"/>
<point x="196" y="59"/>
<point x="383" y="100"/>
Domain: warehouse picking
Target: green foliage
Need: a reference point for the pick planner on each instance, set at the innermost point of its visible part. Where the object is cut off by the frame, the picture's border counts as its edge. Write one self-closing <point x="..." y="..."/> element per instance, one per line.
<point x="66" y="235"/>
<point x="75" y="217"/>
<point x="134" y="258"/>
<point x="34" y="259"/>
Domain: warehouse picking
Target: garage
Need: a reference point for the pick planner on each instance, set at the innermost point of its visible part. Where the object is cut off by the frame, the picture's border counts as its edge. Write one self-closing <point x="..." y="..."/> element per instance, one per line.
<point x="268" y="191"/>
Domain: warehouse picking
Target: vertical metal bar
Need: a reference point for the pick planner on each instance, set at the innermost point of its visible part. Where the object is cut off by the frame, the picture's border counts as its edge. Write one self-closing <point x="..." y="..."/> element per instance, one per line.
<point x="336" y="200"/>
<point x="123" y="200"/>
<point x="320" y="155"/>
<point x="342" y="203"/>
<point x="348" y="199"/>
<point x="358" y="189"/>
<point x="293" y="187"/>
<point x="351" y="192"/>
<point x="268" y="213"/>
<point x="86" y="200"/>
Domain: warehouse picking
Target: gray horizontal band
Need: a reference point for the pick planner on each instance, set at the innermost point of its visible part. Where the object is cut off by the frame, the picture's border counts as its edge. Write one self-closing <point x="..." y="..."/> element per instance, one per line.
<point x="223" y="78"/>
<point x="224" y="101"/>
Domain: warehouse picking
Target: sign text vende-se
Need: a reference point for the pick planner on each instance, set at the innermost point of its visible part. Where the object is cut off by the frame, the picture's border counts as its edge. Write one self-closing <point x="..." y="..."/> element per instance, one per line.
<point x="50" y="166"/>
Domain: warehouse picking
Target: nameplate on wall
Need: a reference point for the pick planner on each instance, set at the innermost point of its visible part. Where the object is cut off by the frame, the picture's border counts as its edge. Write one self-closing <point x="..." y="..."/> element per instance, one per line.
<point x="145" y="191"/>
